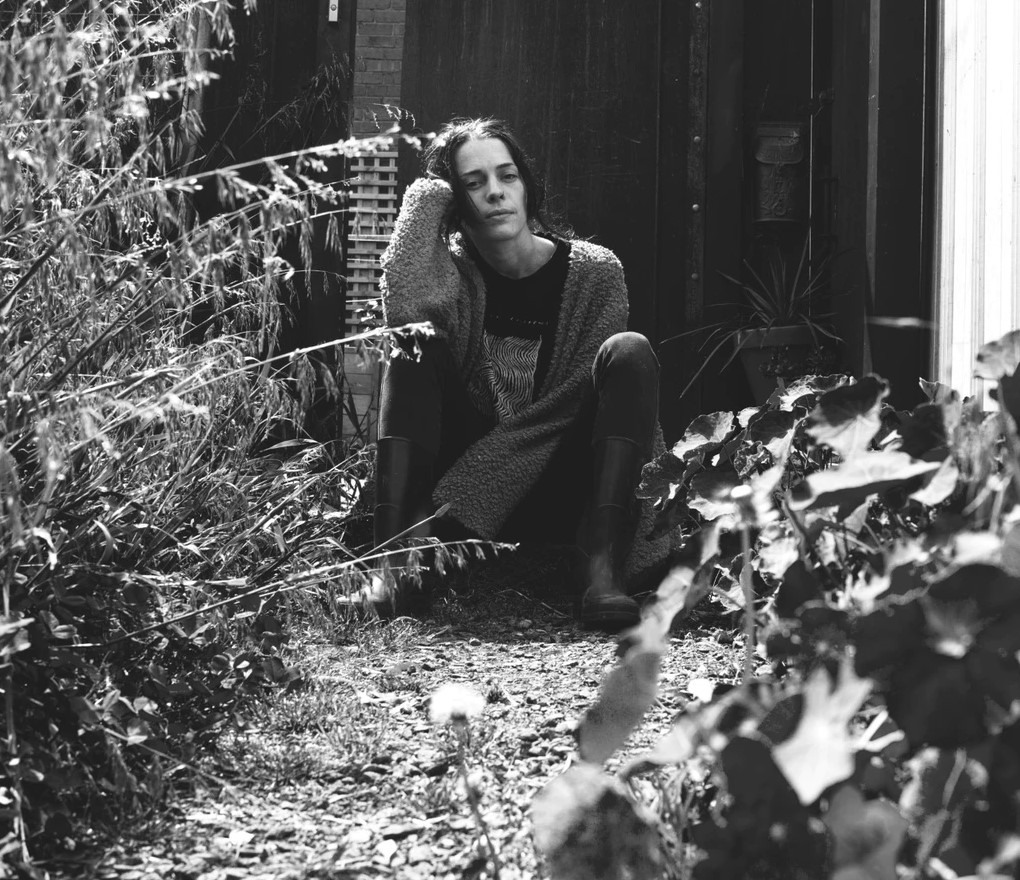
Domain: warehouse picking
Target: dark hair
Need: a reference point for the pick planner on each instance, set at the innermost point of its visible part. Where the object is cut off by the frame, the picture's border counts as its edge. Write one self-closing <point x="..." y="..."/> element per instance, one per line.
<point x="438" y="161"/>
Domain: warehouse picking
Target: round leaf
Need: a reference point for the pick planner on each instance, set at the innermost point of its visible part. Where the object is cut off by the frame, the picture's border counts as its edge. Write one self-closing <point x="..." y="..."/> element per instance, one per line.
<point x="847" y="418"/>
<point x="1000" y="357"/>
<point x="867" y="835"/>
<point x="854" y="480"/>
<point x="588" y="829"/>
<point x="711" y="490"/>
<point x="705" y="434"/>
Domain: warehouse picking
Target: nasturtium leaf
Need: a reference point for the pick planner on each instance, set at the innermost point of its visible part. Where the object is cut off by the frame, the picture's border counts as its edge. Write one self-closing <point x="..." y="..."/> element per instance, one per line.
<point x="877" y="775"/>
<point x="867" y="835"/>
<point x="936" y="392"/>
<point x="820" y="753"/>
<point x="630" y="687"/>
<point x="1000" y="357"/>
<point x="940" y="486"/>
<point x="778" y="548"/>
<point x="706" y="434"/>
<point x="588" y="829"/>
<point x="732" y="713"/>
<point x="628" y="691"/>
<point x="1007" y="395"/>
<point x="854" y="480"/>
<point x="847" y="418"/>
<point x="780" y="722"/>
<point x="799" y="585"/>
<point x="766" y="831"/>
<point x="680" y="590"/>
<point x="746" y="414"/>
<point x="817" y="630"/>
<point x="895" y="628"/>
<point x="661" y="479"/>
<point x="774" y="430"/>
<point x="974" y="604"/>
<point x="674" y="519"/>
<point x="969" y="547"/>
<point x="751" y="459"/>
<point x="941" y="783"/>
<point x="691" y="730"/>
<point x="803" y="391"/>
<point x="1011" y="550"/>
<point x="711" y="492"/>
<point x="927" y="683"/>
<point x="923" y="432"/>
<point x="736" y="447"/>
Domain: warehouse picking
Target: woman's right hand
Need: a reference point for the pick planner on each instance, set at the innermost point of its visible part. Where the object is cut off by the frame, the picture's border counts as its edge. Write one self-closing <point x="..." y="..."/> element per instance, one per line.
<point x="451" y="219"/>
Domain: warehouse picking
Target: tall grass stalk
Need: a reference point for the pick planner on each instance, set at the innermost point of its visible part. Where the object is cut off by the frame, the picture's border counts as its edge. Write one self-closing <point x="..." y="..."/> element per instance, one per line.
<point x="134" y="503"/>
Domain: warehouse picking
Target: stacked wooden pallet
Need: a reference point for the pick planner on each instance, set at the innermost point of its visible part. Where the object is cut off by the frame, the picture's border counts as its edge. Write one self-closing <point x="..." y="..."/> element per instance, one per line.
<point x="371" y="215"/>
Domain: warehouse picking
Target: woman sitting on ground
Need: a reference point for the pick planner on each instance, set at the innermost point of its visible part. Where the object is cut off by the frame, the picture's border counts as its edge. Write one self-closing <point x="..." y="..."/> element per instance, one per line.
<point x="531" y="411"/>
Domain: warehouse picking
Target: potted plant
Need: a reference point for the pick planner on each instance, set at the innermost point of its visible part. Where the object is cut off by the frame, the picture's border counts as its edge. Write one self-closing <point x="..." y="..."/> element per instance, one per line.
<point x="778" y="328"/>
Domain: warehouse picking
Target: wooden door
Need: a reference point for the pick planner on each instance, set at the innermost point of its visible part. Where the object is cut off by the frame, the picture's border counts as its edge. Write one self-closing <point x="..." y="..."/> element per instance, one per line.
<point x="598" y="92"/>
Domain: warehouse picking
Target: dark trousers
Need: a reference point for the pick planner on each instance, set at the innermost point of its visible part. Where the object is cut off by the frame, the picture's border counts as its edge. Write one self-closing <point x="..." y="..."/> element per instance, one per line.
<point x="425" y="401"/>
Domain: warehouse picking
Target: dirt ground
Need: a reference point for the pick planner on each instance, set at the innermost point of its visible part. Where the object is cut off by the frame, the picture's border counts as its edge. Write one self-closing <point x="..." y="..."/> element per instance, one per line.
<point x="345" y="776"/>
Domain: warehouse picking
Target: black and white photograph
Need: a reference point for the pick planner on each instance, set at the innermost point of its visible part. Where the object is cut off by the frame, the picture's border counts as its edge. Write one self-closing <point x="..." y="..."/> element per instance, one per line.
<point x="510" y="439"/>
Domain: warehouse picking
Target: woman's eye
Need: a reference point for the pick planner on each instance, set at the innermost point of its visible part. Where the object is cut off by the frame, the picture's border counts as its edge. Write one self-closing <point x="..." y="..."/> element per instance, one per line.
<point x="510" y="176"/>
<point x="472" y="184"/>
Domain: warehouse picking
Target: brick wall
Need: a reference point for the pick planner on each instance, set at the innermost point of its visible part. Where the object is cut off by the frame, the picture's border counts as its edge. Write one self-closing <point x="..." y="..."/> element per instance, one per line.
<point x="379" y="45"/>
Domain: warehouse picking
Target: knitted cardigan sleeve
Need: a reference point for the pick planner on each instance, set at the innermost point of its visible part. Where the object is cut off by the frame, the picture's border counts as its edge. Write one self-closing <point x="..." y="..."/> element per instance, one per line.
<point x="494" y="474"/>
<point x="420" y="279"/>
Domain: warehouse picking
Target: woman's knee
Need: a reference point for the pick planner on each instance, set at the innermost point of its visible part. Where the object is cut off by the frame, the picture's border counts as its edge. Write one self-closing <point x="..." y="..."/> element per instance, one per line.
<point x="628" y="352"/>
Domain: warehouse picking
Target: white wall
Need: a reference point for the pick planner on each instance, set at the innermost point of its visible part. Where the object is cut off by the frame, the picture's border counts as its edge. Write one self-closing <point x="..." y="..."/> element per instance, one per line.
<point x="978" y="219"/>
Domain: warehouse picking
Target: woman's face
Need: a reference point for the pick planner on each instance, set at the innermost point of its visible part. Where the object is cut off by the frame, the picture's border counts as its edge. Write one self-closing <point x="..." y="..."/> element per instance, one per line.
<point x="495" y="191"/>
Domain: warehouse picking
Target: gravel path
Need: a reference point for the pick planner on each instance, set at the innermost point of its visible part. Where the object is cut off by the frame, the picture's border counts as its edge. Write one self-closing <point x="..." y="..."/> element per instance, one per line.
<point x="345" y="776"/>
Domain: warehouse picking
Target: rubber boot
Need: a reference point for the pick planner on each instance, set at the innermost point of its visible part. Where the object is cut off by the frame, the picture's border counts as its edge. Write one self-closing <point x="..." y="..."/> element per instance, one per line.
<point x="404" y="481"/>
<point x="610" y="527"/>
<point x="403" y="487"/>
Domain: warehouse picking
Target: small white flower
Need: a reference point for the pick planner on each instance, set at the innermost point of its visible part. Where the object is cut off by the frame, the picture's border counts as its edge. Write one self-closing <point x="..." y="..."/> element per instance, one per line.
<point x="454" y="702"/>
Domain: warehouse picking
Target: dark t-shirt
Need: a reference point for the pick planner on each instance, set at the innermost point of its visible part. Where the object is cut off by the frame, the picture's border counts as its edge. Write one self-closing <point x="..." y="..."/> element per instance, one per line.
<point x="520" y="327"/>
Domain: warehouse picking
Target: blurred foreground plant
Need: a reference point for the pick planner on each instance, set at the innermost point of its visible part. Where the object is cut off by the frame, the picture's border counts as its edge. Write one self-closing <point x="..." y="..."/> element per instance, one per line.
<point x="881" y="736"/>
<point x="150" y="534"/>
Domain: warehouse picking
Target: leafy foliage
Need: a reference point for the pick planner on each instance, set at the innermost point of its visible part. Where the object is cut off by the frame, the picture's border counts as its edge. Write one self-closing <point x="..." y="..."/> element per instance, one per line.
<point x="151" y="536"/>
<point x="777" y="294"/>
<point x="879" y="739"/>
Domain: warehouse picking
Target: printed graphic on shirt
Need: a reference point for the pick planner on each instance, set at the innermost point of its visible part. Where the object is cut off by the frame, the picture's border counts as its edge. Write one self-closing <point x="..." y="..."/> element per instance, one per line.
<point x="509" y="367"/>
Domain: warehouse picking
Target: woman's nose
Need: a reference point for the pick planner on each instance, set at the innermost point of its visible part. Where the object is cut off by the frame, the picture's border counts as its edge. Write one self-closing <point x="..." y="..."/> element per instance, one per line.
<point x="495" y="189"/>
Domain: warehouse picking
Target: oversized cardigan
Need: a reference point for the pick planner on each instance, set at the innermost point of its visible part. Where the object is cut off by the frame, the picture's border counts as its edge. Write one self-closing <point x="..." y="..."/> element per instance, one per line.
<point x="429" y="278"/>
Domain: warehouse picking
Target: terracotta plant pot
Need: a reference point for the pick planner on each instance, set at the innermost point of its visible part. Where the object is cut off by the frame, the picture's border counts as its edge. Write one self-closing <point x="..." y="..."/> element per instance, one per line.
<point x="776" y="353"/>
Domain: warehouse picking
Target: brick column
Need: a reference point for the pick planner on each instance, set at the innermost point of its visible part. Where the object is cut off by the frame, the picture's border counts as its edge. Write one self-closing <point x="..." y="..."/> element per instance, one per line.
<point x="378" y="48"/>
